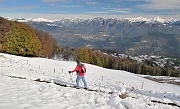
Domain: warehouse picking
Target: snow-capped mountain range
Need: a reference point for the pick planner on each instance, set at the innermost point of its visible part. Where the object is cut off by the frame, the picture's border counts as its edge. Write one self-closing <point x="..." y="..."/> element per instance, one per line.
<point x="138" y="19"/>
<point x="152" y="20"/>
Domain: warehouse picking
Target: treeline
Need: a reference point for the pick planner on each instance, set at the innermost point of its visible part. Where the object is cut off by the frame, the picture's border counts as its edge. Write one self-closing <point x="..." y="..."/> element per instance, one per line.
<point x="20" y="39"/>
<point x="96" y="57"/>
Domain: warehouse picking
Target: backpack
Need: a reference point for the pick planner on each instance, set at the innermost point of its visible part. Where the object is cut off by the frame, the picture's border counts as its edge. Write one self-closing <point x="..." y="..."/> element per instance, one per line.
<point x="83" y="69"/>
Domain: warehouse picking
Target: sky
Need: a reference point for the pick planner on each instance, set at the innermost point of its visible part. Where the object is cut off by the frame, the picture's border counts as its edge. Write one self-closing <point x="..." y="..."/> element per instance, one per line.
<point x="55" y="9"/>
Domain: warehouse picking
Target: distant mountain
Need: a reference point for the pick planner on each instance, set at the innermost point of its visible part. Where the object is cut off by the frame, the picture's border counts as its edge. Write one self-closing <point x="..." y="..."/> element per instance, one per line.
<point x="131" y="35"/>
<point x="154" y="43"/>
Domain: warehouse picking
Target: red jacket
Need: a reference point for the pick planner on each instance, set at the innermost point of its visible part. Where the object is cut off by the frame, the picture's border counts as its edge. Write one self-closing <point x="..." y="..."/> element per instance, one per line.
<point x="79" y="68"/>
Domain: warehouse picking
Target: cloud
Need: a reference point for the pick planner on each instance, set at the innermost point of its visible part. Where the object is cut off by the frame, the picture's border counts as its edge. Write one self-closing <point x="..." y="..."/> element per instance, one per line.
<point x="85" y="15"/>
<point x="97" y="12"/>
<point x="117" y="10"/>
<point x="92" y="3"/>
<point x="53" y="1"/>
<point x="121" y="10"/>
<point x="111" y="11"/>
<point x="161" y="5"/>
<point x="70" y="6"/>
<point x="19" y="8"/>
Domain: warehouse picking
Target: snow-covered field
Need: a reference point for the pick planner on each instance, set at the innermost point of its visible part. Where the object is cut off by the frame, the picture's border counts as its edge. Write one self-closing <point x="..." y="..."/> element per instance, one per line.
<point x="24" y="92"/>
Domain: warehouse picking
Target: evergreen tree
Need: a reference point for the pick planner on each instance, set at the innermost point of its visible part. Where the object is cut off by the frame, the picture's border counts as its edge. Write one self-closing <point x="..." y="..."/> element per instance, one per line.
<point x="82" y="54"/>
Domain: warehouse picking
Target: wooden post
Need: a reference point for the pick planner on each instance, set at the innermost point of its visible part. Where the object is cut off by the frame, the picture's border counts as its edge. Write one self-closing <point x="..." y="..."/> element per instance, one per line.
<point x="142" y="85"/>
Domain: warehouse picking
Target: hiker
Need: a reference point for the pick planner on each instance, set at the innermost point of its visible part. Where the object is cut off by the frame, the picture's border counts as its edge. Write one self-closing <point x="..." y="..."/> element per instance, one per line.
<point x="81" y="70"/>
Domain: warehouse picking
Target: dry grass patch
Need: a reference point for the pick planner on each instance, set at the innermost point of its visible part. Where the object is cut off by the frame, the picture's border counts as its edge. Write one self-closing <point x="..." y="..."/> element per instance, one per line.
<point x="124" y="95"/>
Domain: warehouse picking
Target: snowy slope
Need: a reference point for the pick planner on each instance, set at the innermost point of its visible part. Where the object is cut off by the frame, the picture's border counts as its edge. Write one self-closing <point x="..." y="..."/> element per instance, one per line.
<point x="16" y="93"/>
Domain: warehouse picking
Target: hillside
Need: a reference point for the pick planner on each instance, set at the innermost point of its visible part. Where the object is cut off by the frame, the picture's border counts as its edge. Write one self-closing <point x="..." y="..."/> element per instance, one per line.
<point x="123" y="35"/>
<point x="21" y="39"/>
<point x="154" y="43"/>
<point x="19" y="89"/>
<point x="17" y="38"/>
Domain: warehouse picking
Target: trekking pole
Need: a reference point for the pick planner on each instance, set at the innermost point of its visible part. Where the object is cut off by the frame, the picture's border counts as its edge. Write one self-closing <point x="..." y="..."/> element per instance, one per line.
<point x="71" y="78"/>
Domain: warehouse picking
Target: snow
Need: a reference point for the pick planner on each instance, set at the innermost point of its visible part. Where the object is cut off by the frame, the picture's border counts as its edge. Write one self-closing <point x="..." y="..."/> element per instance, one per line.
<point x="153" y="20"/>
<point x="24" y="92"/>
<point x="138" y="19"/>
<point x="157" y="19"/>
<point x="35" y="20"/>
<point x="42" y="20"/>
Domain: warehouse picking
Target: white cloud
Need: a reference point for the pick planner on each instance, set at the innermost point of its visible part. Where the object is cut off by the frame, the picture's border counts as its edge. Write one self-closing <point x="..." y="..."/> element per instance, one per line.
<point x="161" y="5"/>
<point x="85" y="15"/>
<point x="92" y="3"/>
<point x="121" y="10"/>
<point x="53" y="0"/>
<point x="97" y="12"/>
<point x="117" y="10"/>
<point x="17" y="8"/>
<point x="70" y="6"/>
